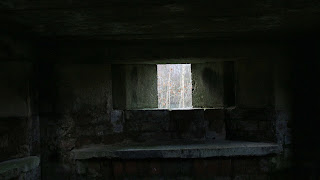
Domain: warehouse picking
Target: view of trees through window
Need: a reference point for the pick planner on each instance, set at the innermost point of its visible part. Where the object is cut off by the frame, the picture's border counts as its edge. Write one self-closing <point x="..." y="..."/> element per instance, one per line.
<point x="174" y="86"/>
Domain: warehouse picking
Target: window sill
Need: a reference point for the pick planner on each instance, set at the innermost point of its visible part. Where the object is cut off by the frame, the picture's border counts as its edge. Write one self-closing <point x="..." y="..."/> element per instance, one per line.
<point x="176" y="109"/>
<point x="204" y="150"/>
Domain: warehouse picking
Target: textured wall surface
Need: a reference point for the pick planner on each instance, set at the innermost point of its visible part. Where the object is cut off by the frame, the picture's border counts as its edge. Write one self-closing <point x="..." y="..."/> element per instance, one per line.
<point x="212" y="168"/>
<point x="77" y="111"/>
<point x="141" y="86"/>
<point x="68" y="72"/>
<point x="75" y="108"/>
<point x="254" y="83"/>
<point x="207" y="81"/>
<point x="134" y="86"/>
<point x="19" y="120"/>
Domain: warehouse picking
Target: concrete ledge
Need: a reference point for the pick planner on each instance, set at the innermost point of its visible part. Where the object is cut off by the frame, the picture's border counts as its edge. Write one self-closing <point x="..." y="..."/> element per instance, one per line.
<point x="217" y="149"/>
<point x="13" y="168"/>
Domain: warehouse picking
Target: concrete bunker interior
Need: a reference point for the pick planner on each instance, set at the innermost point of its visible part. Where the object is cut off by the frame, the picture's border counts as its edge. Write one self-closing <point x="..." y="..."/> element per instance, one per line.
<point x="90" y="124"/>
<point x="88" y="129"/>
<point x="79" y="99"/>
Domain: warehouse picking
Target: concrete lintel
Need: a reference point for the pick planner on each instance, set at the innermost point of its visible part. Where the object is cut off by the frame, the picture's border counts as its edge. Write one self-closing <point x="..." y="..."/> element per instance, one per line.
<point x="218" y="149"/>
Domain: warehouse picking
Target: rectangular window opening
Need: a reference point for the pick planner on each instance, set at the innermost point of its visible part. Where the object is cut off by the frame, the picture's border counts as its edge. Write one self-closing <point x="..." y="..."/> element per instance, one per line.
<point x="174" y="86"/>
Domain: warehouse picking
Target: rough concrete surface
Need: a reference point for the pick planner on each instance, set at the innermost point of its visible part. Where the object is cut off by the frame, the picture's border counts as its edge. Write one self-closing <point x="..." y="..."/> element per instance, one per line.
<point x="218" y="149"/>
<point x="14" y="168"/>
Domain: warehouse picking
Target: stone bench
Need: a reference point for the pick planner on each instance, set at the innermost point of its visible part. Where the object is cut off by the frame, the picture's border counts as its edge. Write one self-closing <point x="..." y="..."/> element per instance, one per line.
<point x="203" y="150"/>
<point x="16" y="167"/>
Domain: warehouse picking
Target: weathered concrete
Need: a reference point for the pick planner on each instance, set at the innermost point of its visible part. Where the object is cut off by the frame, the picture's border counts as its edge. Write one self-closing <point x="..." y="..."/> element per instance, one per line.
<point x="117" y="120"/>
<point x="141" y="86"/>
<point x="218" y="149"/>
<point x="189" y="124"/>
<point x="165" y="125"/>
<point x="82" y="86"/>
<point x="225" y="168"/>
<point x="176" y="19"/>
<point x="82" y="37"/>
<point x="216" y="125"/>
<point x="213" y="84"/>
<point x="283" y="83"/>
<point x="147" y="120"/>
<point x="207" y="85"/>
<point x="119" y="94"/>
<point x="16" y="88"/>
<point x="254" y="83"/>
<point x="229" y="83"/>
<point x="283" y="130"/>
<point x="76" y="105"/>
<point x="19" y="123"/>
<point x="14" y="168"/>
<point x="135" y="86"/>
<point x="14" y="138"/>
<point x="256" y="124"/>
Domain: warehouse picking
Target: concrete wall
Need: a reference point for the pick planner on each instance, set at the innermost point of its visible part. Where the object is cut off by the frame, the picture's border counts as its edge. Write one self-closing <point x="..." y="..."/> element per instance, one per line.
<point x="257" y="124"/>
<point x="135" y="86"/>
<point x="263" y="101"/>
<point x="283" y="84"/>
<point x="75" y="110"/>
<point x="213" y="84"/>
<point x="158" y="126"/>
<point x="254" y="83"/>
<point x="283" y="92"/>
<point x="83" y="104"/>
<point x="15" y="46"/>
<point x="207" y="85"/>
<point x="19" y="121"/>
<point x="141" y="86"/>
<point x="254" y="116"/>
<point x="210" y="168"/>
<point x="18" y="116"/>
<point x="14" y="91"/>
<point x="119" y="91"/>
<point x="76" y="100"/>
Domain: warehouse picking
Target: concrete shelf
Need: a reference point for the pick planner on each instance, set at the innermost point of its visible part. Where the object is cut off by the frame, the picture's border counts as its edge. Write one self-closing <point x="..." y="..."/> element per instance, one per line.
<point x="203" y="150"/>
<point x="13" y="168"/>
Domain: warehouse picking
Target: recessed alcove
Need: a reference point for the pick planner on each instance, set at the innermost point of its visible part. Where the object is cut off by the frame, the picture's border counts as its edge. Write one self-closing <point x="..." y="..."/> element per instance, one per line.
<point x="214" y="124"/>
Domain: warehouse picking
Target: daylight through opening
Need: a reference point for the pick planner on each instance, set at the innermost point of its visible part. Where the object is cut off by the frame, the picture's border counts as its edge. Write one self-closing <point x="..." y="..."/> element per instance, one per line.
<point x="174" y="86"/>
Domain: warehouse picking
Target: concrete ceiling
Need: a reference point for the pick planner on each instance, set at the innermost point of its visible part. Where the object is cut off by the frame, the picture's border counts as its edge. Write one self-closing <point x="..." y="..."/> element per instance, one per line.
<point x="164" y="19"/>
